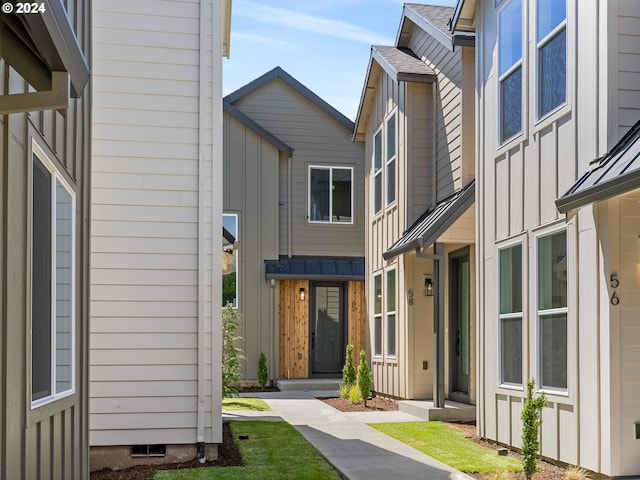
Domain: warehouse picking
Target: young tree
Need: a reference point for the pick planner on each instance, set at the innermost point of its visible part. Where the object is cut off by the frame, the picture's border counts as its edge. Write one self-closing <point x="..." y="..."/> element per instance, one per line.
<point x="531" y="422"/>
<point x="364" y="377"/>
<point x="231" y="353"/>
<point x="263" y="372"/>
<point x="348" y="371"/>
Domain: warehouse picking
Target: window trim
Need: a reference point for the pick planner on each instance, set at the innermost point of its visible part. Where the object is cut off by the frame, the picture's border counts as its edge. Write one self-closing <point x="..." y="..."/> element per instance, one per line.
<point x="56" y="176"/>
<point x="394" y="159"/>
<point x="376" y="173"/>
<point x="351" y="199"/>
<point x="378" y="316"/>
<point x="388" y="312"/>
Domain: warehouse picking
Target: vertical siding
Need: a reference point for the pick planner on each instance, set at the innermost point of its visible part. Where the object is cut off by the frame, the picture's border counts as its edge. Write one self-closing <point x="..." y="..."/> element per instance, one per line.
<point x="357" y="316"/>
<point x="293" y="330"/>
<point x="628" y="59"/>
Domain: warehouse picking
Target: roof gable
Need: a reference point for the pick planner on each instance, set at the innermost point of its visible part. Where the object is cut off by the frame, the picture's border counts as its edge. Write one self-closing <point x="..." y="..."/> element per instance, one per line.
<point x="278" y="72"/>
<point x="433" y="19"/>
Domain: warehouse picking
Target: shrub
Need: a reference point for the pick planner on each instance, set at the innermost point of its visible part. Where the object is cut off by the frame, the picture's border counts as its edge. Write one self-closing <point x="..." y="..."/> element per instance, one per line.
<point x="531" y="423"/>
<point x="231" y="353"/>
<point x="263" y="371"/>
<point x="576" y="473"/>
<point x="501" y="474"/>
<point x="348" y="371"/>
<point x="354" y="395"/>
<point x="344" y="390"/>
<point x="364" y="377"/>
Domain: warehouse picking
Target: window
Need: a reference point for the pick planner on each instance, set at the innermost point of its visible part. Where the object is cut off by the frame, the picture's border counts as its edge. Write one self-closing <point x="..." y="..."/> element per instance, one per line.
<point x="330" y="194"/>
<point x="552" y="310"/>
<point x="510" y="69"/>
<point x="377" y="315"/>
<point x="377" y="172"/>
<point x="551" y="43"/>
<point x="391" y="313"/>
<point x="391" y="159"/>
<point x="230" y="273"/>
<point x="52" y="283"/>
<point x="510" y="291"/>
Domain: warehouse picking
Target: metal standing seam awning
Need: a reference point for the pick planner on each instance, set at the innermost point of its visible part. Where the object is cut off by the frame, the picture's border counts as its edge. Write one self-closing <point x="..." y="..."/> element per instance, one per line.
<point x="434" y="222"/>
<point x="315" y="268"/>
<point x="613" y="174"/>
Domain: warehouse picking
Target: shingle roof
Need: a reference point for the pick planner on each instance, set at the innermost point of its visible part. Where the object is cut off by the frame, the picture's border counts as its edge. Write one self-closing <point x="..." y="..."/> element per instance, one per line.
<point x="436" y="15"/>
<point x="315" y="268"/>
<point x="434" y="222"/>
<point x="615" y="173"/>
<point x="402" y="64"/>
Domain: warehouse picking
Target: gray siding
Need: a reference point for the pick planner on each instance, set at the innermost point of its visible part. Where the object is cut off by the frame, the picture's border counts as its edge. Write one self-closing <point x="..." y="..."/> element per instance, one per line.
<point x="50" y="441"/>
<point x="628" y="58"/>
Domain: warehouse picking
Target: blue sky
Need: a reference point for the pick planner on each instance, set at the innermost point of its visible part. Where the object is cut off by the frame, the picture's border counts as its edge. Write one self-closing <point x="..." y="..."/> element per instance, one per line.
<point x="324" y="44"/>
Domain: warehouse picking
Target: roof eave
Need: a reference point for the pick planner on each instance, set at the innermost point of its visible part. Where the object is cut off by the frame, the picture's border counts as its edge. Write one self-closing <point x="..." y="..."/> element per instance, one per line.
<point x="463" y="16"/>
<point x="612" y="188"/>
<point x="463" y="40"/>
<point x="424" y="24"/>
<point x="226" y="27"/>
<point x="358" y="134"/>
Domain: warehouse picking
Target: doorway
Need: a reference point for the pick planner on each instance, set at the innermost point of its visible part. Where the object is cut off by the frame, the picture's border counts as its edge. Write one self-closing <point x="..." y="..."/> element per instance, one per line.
<point x="327" y="328"/>
<point x="459" y="325"/>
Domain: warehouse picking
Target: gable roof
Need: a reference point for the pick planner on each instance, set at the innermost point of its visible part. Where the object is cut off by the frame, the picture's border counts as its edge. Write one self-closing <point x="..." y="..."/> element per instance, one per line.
<point x="434" y="222"/>
<point x="613" y="174"/>
<point x="278" y="72"/>
<point x="257" y="128"/>
<point x="433" y="19"/>
<point x="464" y="16"/>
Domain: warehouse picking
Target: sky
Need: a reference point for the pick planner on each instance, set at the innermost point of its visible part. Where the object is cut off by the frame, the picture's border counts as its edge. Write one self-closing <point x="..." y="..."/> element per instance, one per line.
<point x="324" y="44"/>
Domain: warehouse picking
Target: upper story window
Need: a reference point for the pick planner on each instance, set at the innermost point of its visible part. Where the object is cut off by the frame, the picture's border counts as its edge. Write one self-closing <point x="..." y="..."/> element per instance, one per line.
<point x="551" y="42"/>
<point x="377" y="172"/>
<point x="510" y="70"/>
<point x="391" y="159"/>
<point x="52" y="283"/>
<point x="230" y="273"/>
<point x="510" y="301"/>
<point x="330" y="194"/>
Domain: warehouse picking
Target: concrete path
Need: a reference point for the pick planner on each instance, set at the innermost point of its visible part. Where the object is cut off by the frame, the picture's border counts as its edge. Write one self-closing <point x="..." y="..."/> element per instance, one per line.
<point x="355" y="449"/>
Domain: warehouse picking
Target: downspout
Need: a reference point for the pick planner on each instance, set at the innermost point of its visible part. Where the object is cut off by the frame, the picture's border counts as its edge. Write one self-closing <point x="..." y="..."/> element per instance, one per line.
<point x="289" y="209"/>
<point x="272" y="349"/>
<point x="434" y="145"/>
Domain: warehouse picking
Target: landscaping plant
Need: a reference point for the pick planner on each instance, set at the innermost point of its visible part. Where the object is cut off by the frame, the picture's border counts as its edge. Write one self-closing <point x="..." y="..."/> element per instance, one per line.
<point x="263" y="371"/>
<point x="231" y="353"/>
<point x="576" y="473"/>
<point x="354" y="395"/>
<point x="531" y="423"/>
<point x="364" y="377"/>
<point x="348" y="371"/>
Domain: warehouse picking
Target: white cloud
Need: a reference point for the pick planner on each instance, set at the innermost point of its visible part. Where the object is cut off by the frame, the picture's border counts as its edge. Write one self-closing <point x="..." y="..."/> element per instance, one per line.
<point x="310" y="23"/>
<point x="262" y="40"/>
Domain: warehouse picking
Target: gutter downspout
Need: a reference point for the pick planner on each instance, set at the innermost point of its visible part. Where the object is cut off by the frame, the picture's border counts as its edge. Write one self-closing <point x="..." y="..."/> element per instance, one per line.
<point x="438" y="318"/>
<point x="289" y="209"/>
<point x="434" y="146"/>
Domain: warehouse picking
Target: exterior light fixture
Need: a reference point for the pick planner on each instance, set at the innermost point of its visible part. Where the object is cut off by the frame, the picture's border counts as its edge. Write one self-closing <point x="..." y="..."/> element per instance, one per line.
<point x="302" y="294"/>
<point x="428" y="287"/>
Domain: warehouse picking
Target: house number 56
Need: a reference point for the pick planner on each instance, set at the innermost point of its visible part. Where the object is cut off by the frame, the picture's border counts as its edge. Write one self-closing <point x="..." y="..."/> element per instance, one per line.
<point x="615" y="283"/>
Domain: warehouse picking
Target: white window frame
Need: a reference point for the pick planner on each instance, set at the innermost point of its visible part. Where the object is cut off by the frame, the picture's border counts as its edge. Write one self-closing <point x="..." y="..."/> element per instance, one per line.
<point x="378" y="337"/>
<point x="56" y="176"/>
<point x="377" y="173"/>
<point x="519" y="64"/>
<point x="331" y="168"/>
<point x="388" y="161"/>
<point x="549" y="312"/>
<point x="513" y="315"/>
<point x="388" y="313"/>
<point x="237" y="255"/>
<point x="539" y="46"/>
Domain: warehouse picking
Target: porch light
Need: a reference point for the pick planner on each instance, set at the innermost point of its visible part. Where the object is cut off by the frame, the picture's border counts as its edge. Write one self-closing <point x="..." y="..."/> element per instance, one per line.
<point x="302" y="294"/>
<point x="428" y="287"/>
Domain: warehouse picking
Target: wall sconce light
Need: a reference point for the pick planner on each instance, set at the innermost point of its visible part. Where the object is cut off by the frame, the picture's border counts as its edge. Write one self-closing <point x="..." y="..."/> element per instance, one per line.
<point x="302" y="294"/>
<point x="428" y="287"/>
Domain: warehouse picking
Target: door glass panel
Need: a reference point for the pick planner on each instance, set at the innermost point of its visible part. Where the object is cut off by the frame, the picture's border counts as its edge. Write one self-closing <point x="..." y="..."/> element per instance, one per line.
<point x="464" y="320"/>
<point x="327" y="325"/>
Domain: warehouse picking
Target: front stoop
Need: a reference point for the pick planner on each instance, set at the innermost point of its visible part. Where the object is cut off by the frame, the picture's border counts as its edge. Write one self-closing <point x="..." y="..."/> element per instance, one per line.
<point x="309" y="384"/>
<point x="452" y="411"/>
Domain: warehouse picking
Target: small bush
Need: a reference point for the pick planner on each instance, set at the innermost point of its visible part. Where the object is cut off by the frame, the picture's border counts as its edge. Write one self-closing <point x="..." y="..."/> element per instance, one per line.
<point x="531" y="423"/>
<point x="364" y="377"/>
<point x="344" y="391"/>
<point x="348" y="371"/>
<point x="501" y="474"/>
<point x="576" y="473"/>
<point x="263" y="371"/>
<point x="231" y="353"/>
<point x="354" y="395"/>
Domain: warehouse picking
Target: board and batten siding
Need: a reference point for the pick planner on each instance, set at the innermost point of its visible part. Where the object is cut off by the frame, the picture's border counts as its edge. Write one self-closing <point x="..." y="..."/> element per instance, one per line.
<point x="154" y="212"/>
<point x="318" y="139"/>
<point x="49" y="441"/>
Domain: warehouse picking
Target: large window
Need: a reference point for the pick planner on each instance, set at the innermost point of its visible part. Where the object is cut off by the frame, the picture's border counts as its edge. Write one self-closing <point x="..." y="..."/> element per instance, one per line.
<point x="551" y="41"/>
<point x="510" y="69"/>
<point x="510" y="291"/>
<point x="391" y="159"/>
<point x="391" y="313"/>
<point x="52" y="283"/>
<point x="552" y="310"/>
<point x="377" y="315"/>
<point x="330" y="194"/>
<point x="377" y="172"/>
<point x="230" y="273"/>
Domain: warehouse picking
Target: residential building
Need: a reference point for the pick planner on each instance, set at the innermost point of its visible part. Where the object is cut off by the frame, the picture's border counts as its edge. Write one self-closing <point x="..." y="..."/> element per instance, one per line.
<point x="45" y="122"/>
<point x="156" y="197"/>
<point x="558" y="101"/>
<point x="416" y="119"/>
<point x="294" y="200"/>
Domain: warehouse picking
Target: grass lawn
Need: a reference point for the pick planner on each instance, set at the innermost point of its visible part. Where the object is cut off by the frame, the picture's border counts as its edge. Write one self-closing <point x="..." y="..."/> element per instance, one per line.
<point x="274" y="450"/>
<point x="447" y="444"/>
<point x="244" y="403"/>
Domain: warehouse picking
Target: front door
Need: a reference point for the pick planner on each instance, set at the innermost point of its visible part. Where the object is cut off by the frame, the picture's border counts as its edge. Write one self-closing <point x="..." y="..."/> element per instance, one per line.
<point x="327" y="328"/>
<point x="459" y="323"/>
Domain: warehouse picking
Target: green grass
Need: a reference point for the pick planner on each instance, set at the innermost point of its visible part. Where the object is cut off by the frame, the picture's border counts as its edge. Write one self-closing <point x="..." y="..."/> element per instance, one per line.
<point x="448" y="444"/>
<point x="245" y="403"/>
<point x="274" y="450"/>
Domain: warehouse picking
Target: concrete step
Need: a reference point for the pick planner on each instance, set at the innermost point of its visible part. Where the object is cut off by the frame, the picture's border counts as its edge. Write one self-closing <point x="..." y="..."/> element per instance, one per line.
<point x="452" y="411"/>
<point x="308" y="384"/>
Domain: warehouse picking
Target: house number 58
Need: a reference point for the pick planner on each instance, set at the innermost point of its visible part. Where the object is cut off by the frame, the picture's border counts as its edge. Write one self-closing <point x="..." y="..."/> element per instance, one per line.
<point x="615" y="283"/>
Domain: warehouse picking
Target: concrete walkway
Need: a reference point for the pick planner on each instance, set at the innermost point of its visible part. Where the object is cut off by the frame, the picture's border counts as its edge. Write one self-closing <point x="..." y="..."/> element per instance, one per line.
<point x="355" y="449"/>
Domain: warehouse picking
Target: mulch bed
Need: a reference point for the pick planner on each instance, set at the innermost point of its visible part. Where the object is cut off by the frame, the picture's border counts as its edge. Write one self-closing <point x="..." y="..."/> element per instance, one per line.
<point x="258" y="389"/>
<point x="228" y="456"/>
<point x="376" y="404"/>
